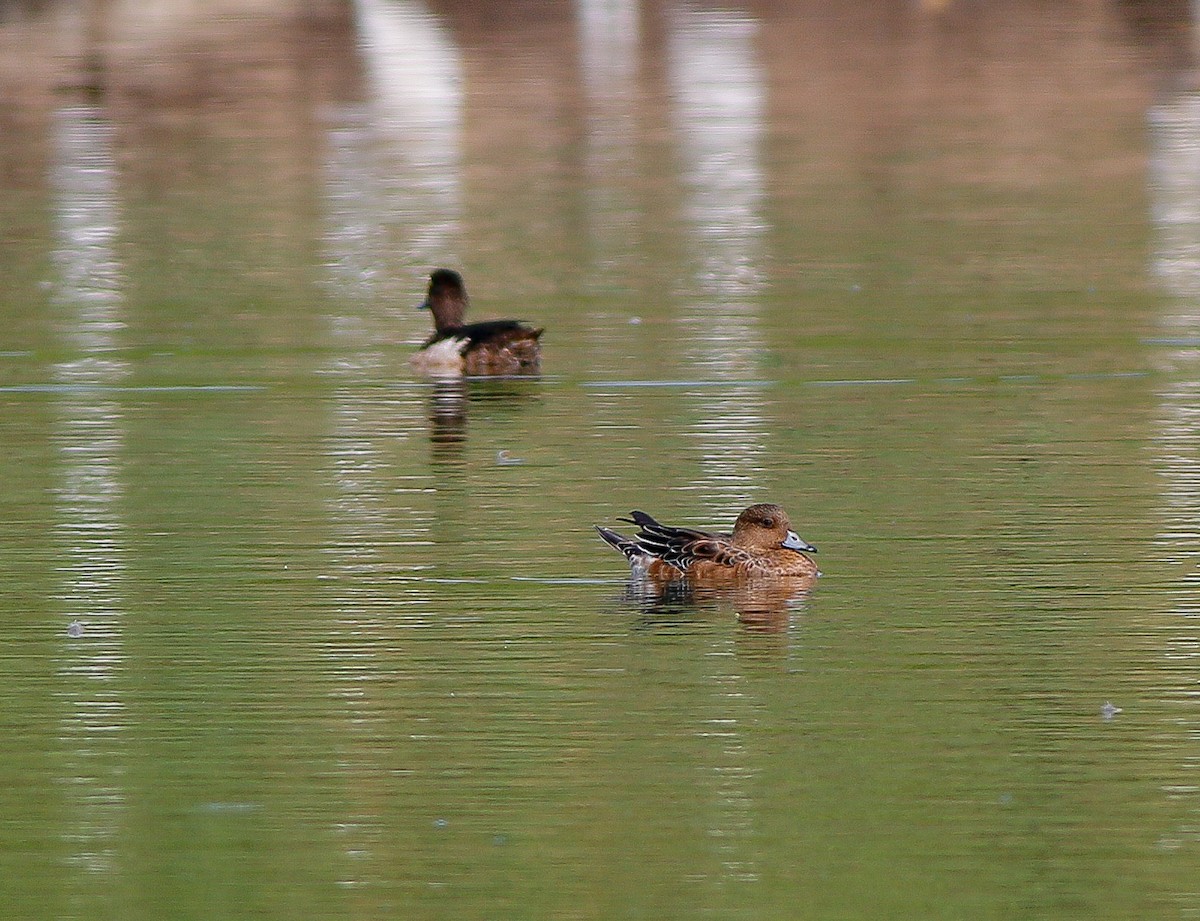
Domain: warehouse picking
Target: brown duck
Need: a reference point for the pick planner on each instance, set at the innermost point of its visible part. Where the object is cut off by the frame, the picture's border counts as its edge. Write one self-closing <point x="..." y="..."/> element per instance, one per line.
<point x="493" y="347"/>
<point x="762" y="544"/>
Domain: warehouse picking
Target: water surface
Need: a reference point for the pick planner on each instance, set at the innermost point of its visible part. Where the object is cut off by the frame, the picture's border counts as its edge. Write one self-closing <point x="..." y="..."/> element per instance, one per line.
<point x="288" y="636"/>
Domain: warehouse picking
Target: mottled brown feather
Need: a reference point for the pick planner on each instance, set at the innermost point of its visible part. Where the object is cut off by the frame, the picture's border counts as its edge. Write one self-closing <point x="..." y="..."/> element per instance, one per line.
<point x="754" y="548"/>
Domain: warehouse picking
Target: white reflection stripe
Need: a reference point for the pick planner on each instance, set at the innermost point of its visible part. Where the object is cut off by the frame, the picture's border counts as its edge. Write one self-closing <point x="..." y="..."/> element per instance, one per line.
<point x="718" y="106"/>
<point x="90" y="529"/>
<point x="392" y="186"/>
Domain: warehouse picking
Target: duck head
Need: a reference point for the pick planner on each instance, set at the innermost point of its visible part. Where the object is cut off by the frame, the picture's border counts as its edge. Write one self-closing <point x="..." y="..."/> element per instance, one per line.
<point x="766" y="527"/>
<point x="446" y="299"/>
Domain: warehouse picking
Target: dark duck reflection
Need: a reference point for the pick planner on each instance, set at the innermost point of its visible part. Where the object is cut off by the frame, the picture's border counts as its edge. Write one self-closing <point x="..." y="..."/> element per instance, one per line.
<point x="453" y="399"/>
<point x="448" y="419"/>
<point x="490" y="348"/>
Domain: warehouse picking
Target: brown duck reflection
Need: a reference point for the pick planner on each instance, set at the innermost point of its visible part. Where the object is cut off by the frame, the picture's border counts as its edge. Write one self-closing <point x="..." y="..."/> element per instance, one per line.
<point x="763" y="604"/>
<point x="452" y="400"/>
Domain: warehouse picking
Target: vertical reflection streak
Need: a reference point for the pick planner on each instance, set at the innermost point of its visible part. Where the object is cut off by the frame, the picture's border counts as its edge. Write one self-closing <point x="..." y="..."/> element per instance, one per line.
<point x="392" y="177"/>
<point x="608" y="42"/>
<point x="718" y="111"/>
<point x="414" y="77"/>
<point x="732" y="828"/>
<point x="1174" y="179"/>
<point x="88" y="436"/>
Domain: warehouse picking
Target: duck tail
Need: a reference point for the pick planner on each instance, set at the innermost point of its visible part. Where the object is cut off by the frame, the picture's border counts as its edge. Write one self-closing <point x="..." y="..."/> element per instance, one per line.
<point x="619" y="542"/>
<point x="635" y="553"/>
<point x="526" y="350"/>
<point x="641" y="519"/>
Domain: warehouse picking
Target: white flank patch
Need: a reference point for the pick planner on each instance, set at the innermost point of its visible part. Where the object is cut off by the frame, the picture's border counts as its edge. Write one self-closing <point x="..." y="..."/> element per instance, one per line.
<point x="443" y="357"/>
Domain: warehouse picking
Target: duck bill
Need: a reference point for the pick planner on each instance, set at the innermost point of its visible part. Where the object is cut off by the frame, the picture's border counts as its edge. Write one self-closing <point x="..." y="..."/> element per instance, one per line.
<point x="793" y="541"/>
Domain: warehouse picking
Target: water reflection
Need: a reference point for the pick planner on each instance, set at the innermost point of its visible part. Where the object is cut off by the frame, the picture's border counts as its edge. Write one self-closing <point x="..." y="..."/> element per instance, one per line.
<point x="718" y="114"/>
<point x="448" y="419"/>
<point x="452" y="401"/>
<point x="89" y="438"/>
<point x="767" y="605"/>
<point x="1175" y="209"/>
<point x="920" y="704"/>
<point x="718" y="108"/>
<point x="392" y="179"/>
<point x="1175" y="206"/>
<point x="414" y="77"/>
<point x="395" y="161"/>
<point x="371" y="512"/>
<point x="609" y="38"/>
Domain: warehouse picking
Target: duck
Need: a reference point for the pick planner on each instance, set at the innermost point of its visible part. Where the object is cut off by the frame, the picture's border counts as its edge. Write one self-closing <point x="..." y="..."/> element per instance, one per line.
<point x="762" y="544"/>
<point x="489" y="348"/>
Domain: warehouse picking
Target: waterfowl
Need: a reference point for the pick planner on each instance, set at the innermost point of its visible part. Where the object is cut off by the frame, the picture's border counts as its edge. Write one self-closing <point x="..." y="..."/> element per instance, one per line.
<point x="493" y="347"/>
<point x="762" y="544"/>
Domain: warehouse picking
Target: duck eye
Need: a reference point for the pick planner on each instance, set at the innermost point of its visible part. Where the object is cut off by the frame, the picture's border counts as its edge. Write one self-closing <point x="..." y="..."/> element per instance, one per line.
<point x="768" y="523"/>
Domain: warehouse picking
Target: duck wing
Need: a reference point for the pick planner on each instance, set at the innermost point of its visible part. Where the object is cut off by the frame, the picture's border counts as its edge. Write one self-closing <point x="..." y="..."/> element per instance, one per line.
<point x="681" y="547"/>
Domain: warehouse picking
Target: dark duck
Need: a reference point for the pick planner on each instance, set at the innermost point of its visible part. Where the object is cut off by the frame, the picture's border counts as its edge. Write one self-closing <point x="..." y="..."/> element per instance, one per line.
<point x="489" y="348"/>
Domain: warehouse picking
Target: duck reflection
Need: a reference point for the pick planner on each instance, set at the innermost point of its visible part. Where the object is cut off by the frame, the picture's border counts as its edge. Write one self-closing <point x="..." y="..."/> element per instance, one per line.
<point x="451" y="401"/>
<point x="448" y="418"/>
<point x="727" y="772"/>
<point x="761" y="605"/>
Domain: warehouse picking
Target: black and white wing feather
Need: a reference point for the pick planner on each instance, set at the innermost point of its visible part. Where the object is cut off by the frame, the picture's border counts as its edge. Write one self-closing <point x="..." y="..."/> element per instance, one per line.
<point x="681" y="547"/>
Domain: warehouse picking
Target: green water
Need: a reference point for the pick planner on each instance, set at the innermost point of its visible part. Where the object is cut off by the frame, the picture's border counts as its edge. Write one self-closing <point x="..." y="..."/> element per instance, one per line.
<point x="284" y="637"/>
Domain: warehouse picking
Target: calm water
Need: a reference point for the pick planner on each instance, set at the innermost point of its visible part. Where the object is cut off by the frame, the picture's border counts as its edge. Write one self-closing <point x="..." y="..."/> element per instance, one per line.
<point x="283" y="639"/>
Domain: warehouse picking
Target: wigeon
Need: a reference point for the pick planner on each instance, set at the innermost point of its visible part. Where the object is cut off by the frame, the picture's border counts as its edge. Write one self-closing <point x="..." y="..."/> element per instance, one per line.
<point x="762" y="544"/>
<point x="493" y="347"/>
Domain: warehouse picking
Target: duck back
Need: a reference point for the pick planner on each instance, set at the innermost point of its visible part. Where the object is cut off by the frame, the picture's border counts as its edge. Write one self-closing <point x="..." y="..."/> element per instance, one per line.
<point x="499" y="347"/>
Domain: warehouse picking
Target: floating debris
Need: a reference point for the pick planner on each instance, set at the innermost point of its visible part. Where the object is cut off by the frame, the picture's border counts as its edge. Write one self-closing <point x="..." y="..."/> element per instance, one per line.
<point x="1109" y="711"/>
<point x="506" y="458"/>
<point x="75" y="629"/>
